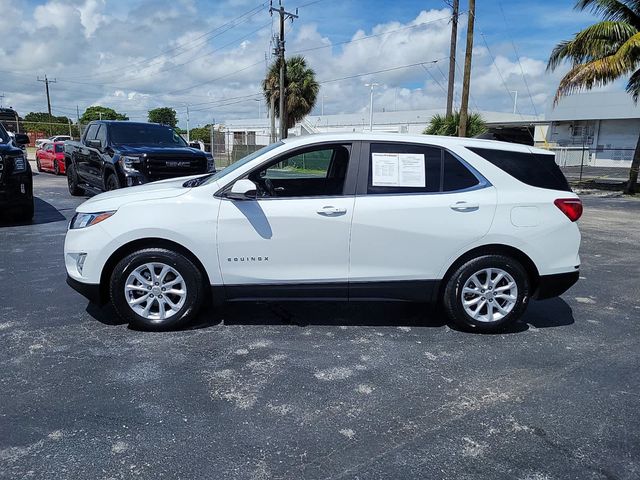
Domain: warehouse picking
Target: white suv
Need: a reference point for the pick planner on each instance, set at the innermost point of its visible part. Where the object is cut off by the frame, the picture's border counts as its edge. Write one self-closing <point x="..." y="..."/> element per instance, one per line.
<point x="479" y="225"/>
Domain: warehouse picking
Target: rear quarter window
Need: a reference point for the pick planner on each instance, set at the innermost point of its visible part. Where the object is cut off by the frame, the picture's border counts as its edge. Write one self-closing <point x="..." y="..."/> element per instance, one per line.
<point x="534" y="169"/>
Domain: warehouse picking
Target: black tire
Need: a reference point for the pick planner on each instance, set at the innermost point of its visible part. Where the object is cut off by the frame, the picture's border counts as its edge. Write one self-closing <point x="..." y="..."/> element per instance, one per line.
<point x="193" y="279"/>
<point x="72" y="181"/>
<point x="111" y="182"/>
<point x="38" y="166"/>
<point x="56" y="167"/>
<point x="453" y="295"/>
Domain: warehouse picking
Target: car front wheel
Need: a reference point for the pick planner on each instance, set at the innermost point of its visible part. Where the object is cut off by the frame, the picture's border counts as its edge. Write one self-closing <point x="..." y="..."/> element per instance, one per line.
<point x="156" y="289"/>
<point x="72" y="181"/>
<point x="487" y="293"/>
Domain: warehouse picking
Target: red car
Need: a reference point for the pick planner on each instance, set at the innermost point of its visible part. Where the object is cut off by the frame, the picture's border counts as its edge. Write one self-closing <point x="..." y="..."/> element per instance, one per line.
<point x="50" y="158"/>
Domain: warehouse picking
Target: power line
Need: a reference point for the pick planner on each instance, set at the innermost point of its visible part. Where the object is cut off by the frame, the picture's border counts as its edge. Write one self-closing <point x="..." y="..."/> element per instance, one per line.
<point x="230" y="24"/>
<point x="526" y="83"/>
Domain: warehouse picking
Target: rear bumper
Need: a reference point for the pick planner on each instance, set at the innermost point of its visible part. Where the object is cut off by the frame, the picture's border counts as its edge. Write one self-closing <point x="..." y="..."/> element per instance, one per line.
<point x="88" y="290"/>
<point x="554" y="285"/>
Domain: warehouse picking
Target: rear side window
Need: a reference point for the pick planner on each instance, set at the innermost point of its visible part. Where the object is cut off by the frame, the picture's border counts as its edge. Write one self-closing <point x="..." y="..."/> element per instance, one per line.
<point x="456" y="176"/>
<point x="389" y="164"/>
<point x="405" y="168"/>
<point x="534" y="169"/>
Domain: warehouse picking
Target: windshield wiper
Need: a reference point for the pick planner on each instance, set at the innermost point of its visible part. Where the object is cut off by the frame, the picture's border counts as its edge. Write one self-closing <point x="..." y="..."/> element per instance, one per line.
<point x="196" y="182"/>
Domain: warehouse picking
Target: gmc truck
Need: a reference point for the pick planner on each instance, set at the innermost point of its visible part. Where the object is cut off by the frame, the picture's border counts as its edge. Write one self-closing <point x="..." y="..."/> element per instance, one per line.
<point x="116" y="154"/>
<point x="16" y="182"/>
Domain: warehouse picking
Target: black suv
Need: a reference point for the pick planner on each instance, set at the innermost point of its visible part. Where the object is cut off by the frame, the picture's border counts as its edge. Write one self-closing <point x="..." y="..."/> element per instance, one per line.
<point x="116" y="154"/>
<point x="16" y="181"/>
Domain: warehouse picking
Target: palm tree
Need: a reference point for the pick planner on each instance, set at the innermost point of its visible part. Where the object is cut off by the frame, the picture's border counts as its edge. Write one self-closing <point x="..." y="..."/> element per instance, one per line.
<point x="301" y="89"/>
<point x="443" y="125"/>
<point x="603" y="53"/>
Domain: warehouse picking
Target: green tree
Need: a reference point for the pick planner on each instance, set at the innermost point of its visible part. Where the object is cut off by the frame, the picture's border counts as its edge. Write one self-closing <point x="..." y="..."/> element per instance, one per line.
<point x="443" y="125"/>
<point x="97" y="112"/>
<point x="40" y="122"/>
<point x="603" y="53"/>
<point x="200" y="133"/>
<point x="301" y="89"/>
<point x="163" y="115"/>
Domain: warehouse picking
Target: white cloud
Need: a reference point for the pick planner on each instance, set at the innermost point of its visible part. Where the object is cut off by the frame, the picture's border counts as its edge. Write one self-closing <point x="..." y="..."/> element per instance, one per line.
<point x="151" y="53"/>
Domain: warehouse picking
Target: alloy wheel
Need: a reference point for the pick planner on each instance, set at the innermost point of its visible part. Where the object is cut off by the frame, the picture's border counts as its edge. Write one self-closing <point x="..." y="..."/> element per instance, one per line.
<point x="489" y="295"/>
<point x="155" y="291"/>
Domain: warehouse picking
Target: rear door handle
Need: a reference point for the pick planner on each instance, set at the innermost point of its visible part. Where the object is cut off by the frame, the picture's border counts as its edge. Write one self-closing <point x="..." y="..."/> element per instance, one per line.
<point x="331" y="210"/>
<point x="464" y="206"/>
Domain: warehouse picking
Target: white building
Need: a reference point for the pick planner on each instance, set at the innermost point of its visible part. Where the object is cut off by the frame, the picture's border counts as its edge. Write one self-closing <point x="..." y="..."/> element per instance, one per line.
<point x="257" y="131"/>
<point x="605" y="125"/>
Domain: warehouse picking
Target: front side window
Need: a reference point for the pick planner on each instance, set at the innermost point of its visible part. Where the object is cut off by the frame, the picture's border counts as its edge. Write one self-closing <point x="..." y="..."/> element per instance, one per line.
<point x="102" y="135"/>
<point x="59" y="148"/>
<point x="91" y="132"/>
<point x="320" y="171"/>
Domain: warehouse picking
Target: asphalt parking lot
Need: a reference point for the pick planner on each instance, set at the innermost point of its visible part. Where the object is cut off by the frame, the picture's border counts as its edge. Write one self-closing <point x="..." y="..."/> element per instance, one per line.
<point x="319" y="390"/>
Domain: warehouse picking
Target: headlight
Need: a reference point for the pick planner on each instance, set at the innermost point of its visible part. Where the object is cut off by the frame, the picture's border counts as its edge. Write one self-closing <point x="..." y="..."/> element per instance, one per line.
<point x="82" y="220"/>
<point x="130" y="164"/>
<point x="19" y="164"/>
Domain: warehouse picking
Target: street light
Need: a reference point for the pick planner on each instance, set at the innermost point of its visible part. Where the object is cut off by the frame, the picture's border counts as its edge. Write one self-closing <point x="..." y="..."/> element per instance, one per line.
<point x="515" y="100"/>
<point x="371" y="86"/>
<point x="259" y="100"/>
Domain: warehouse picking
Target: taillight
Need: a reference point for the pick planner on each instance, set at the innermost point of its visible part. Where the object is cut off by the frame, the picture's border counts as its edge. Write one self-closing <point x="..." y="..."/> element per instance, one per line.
<point x="571" y="207"/>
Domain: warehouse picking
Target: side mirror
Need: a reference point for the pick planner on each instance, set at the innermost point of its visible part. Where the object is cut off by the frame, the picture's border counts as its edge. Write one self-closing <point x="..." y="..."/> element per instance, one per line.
<point x="243" y="190"/>
<point x="94" y="144"/>
<point x="22" y="139"/>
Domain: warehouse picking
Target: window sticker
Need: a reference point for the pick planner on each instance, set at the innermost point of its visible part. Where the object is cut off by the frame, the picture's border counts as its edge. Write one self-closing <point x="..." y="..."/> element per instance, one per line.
<point x="398" y="170"/>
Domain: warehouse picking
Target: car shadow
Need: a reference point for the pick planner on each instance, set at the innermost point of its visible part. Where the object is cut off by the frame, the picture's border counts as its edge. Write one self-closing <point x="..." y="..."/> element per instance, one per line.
<point x="544" y="314"/>
<point x="44" y="212"/>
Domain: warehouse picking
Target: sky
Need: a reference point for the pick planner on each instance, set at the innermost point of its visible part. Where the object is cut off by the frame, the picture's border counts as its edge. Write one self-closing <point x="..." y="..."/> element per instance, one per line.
<point x="211" y="55"/>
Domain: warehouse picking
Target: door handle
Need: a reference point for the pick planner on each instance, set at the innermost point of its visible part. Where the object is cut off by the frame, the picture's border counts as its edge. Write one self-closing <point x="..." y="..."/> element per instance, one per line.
<point x="331" y="210"/>
<point x="464" y="206"/>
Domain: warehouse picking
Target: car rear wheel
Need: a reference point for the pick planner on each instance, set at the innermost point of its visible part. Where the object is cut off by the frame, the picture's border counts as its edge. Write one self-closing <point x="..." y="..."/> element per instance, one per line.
<point x="72" y="181"/>
<point x="56" y="167"/>
<point x="38" y="166"/>
<point x="156" y="289"/>
<point x="487" y="293"/>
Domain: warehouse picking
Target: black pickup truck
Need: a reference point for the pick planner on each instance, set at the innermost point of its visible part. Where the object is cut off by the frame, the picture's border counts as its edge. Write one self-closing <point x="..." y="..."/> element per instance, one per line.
<point x="116" y="154"/>
<point x="16" y="181"/>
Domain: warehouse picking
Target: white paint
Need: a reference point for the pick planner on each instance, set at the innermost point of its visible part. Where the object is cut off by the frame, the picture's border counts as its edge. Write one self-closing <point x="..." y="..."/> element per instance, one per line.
<point x="331" y="374"/>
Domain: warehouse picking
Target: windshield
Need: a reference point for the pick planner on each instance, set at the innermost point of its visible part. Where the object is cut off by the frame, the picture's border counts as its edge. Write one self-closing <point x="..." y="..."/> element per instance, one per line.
<point x="144" y="134"/>
<point x="243" y="161"/>
<point x="4" y="136"/>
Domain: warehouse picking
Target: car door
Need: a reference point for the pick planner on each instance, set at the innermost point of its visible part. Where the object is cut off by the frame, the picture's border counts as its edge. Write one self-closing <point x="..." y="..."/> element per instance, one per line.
<point x="95" y="158"/>
<point x="83" y="155"/>
<point x="417" y="205"/>
<point x="292" y="241"/>
<point x="49" y="156"/>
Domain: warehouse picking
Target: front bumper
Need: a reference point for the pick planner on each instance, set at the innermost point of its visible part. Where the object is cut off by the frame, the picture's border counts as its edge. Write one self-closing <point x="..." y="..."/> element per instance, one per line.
<point x="90" y="291"/>
<point x="555" y="285"/>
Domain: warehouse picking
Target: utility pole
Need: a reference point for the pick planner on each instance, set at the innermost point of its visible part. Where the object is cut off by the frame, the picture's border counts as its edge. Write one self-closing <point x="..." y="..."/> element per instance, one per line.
<point x="371" y="86"/>
<point x="78" y="118"/>
<point x="272" y="114"/>
<point x="1" y="97"/>
<point x="466" y="77"/>
<point x="188" y="137"/>
<point x="46" y="85"/>
<point x="452" y="56"/>
<point x="284" y="15"/>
